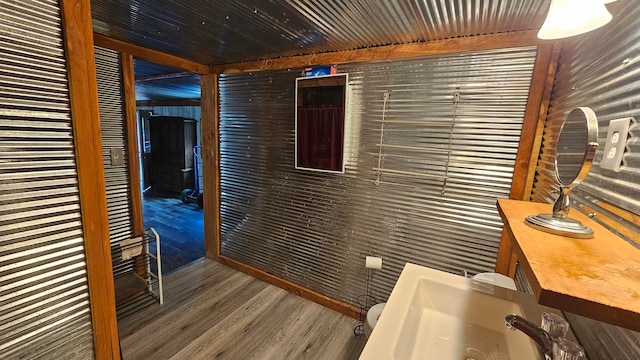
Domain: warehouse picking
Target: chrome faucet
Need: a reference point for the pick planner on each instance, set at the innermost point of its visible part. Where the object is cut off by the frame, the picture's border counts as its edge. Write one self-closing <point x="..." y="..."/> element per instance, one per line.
<point x="541" y="337"/>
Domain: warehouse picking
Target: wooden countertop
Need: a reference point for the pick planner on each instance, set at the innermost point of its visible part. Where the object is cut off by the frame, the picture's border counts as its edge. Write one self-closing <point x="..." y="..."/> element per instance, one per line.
<point x="597" y="278"/>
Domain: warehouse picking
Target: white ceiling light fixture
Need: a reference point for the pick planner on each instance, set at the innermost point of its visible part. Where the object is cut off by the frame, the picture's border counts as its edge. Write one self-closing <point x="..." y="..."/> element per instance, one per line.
<point x="572" y="17"/>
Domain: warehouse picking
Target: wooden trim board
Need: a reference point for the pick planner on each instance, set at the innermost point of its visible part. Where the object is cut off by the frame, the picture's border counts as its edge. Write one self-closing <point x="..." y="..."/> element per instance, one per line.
<point x="389" y="52"/>
<point x="85" y="115"/>
<point x="506" y="262"/>
<point x="210" y="163"/>
<point x="131" y="121"/>
<point x="535" y="116"/>
<point x="332" y="304"/>
<point x="131" y="131"/>
<point x="150" y="55"/>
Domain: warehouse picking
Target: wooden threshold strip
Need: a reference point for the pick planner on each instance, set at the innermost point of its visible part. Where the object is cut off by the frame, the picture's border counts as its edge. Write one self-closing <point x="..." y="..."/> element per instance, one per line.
<point x="332" y="304"/>
<point x="389" y="52"/>
<point x="150" y="55"/>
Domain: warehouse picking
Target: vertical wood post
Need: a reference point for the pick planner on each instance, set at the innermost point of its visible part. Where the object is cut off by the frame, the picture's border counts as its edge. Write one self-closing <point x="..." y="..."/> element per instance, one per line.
<point x="535" y="116"/>
<point x="131" y="127"/>
<point x="211" y="163"/>
<point x="85" y="115"/>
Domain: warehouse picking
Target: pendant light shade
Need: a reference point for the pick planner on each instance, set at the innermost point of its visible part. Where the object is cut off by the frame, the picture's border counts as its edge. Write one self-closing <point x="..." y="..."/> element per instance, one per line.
<point x="572" y="17"/>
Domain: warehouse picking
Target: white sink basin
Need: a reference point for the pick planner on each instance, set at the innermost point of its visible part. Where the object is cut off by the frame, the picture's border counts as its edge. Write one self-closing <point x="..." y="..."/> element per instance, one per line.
<point x="436" y="315"/>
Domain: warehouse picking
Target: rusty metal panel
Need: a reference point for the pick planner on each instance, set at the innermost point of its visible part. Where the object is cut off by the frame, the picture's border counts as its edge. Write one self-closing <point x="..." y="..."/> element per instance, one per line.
<point x="44" y="296"/>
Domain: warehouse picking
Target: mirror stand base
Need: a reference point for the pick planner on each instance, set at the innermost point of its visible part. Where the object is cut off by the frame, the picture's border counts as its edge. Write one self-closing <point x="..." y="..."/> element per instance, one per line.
<point x="559" y="226"/>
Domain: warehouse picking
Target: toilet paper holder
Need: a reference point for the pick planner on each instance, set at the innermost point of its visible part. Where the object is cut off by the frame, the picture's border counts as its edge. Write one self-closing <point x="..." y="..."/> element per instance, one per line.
<point x="373" y="262"/>
<point x="364" y="301"/>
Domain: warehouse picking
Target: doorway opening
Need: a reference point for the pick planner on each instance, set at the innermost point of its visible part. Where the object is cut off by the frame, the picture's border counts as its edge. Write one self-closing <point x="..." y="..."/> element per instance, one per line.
<point x="168" y="112"/>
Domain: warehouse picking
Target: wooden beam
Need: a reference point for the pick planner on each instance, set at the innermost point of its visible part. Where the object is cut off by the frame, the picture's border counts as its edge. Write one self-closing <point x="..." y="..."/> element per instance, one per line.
<point x="389" y="52"/>
<point x="211" y="164"/>
<point x="507" y="259"/>
<point x="535" y="116"/>
<point x="542" y="119"/>
<point x="316" y="297"/>
<point x="150" y="55"/>
<point x="544" y="71"/>
<point x="131" y="120"/>
<point x="85" y="115"/>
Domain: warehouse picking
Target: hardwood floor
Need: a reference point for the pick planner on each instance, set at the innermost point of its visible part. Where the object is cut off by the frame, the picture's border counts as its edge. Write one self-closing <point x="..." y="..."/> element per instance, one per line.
<point x="214" y="312"/>
<point x="180" y="226"/>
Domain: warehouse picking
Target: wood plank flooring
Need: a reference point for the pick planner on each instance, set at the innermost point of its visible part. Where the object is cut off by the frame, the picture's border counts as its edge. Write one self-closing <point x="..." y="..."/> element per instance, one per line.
<point x="180" y="226"/>
<point x="214" y="312"/>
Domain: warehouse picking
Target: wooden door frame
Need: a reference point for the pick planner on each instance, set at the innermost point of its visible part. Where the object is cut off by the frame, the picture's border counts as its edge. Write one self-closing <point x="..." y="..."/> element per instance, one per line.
<point x="79" y="50"/>
<point x="128" y="52"/>
<point x="85" y="121"/>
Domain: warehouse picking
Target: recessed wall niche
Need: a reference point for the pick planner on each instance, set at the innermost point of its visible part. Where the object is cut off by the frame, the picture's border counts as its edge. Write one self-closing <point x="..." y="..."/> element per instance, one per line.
<point x="321" y="104"/>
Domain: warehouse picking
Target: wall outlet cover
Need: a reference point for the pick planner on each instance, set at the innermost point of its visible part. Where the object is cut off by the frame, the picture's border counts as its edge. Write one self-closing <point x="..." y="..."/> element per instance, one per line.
<point x="615" y="145"/>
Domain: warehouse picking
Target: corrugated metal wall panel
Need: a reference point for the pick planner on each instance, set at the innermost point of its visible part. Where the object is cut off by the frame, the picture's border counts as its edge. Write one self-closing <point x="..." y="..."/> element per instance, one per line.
<point x="311" y="227"/>
<point x="44" y="299"/>
<point x="521" y="280"/>
<point x="601" y="70"/>
<point x="112" y="127"/>
<point x="606" y="83"/>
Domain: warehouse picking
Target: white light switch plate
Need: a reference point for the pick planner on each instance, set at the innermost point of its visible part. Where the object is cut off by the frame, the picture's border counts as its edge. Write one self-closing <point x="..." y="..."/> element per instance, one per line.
<point x="616" y="143"/>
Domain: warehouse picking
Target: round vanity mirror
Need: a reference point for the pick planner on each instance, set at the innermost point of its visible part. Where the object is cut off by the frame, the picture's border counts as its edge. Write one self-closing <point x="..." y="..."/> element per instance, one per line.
<point x="575" y="148"/>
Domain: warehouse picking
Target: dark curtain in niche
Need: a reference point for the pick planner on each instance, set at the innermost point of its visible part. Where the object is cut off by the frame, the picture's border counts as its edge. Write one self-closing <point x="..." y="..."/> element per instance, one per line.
<point x="320" y="137"/>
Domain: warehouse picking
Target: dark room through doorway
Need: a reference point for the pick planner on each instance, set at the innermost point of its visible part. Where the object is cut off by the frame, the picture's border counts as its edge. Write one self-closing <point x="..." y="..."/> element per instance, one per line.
<point x="168" y="109"/>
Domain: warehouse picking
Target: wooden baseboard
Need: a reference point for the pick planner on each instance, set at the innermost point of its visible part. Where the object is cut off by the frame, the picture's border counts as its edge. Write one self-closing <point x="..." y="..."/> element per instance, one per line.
<point x="332" y="304"/>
